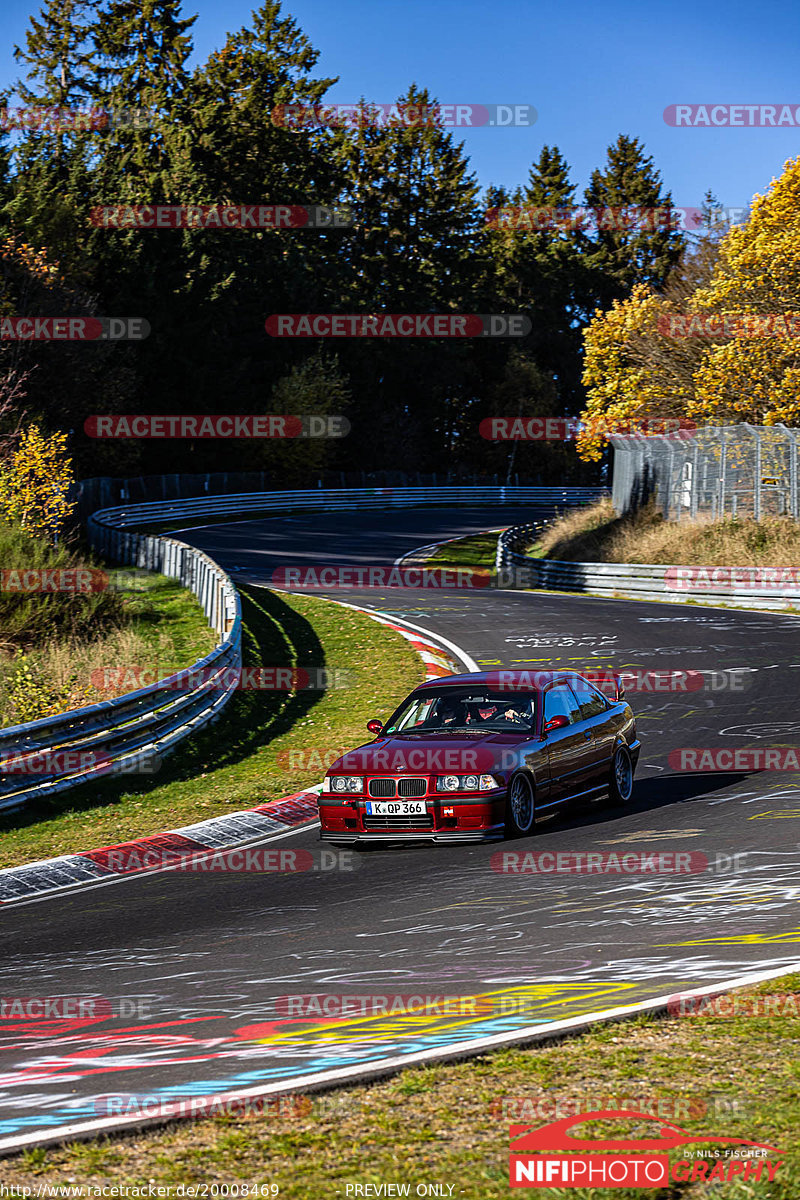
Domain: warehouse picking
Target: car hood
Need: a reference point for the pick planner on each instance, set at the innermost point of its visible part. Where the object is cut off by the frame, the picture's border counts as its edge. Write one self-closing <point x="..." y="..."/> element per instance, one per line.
<point x="432" y="753"/>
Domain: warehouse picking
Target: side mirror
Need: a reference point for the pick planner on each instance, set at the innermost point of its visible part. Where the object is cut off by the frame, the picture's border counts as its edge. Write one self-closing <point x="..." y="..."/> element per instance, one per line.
<point x="559" y="722"/>
<point x="375" y="727"/>
<point x="620" y="689"/>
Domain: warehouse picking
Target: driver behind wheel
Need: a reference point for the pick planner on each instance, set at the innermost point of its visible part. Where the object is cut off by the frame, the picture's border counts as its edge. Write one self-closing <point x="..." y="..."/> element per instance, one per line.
<point x="450" y="712"/>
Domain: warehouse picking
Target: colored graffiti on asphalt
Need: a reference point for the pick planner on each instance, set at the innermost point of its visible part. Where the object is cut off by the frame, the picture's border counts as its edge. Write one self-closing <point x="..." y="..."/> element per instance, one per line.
<point x="57" y="1054"/>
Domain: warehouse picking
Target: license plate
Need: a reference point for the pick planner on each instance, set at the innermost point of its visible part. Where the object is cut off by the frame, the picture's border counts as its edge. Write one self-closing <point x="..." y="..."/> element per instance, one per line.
<point x="396" y="808"/>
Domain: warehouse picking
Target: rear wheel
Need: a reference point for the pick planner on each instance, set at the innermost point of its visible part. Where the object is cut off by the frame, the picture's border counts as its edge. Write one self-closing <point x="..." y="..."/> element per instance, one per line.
<point x="620" y="780"/>
<point x="520" y="807"/>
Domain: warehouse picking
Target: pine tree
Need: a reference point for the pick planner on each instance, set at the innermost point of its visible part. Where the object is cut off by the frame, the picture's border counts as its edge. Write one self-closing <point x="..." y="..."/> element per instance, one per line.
<point x="53" y="155"/>
<point x="643" y="253"/>
<point x="416" y="246"/>
<point x="541" y="271"/>
<point x="142" y="79"/>
<point x="59" y="56"/>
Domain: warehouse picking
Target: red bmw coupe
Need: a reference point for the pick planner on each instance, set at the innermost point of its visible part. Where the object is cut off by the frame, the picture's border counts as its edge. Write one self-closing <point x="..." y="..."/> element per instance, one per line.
<point x="478" y="757"/>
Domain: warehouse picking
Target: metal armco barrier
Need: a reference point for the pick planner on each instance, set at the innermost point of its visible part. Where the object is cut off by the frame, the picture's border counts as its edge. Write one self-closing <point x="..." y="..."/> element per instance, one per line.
<point x="117" y="736"/>
<point x="638" y="581"/>
<point x="339" y="499"/>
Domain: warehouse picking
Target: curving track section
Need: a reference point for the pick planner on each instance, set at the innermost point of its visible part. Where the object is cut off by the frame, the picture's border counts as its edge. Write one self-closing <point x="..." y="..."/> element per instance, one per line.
<point x="211" y="956"/>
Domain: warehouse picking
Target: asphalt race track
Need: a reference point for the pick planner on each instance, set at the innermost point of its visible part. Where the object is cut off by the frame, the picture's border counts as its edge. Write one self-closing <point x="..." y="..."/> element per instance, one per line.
<point x="203" y="959"/>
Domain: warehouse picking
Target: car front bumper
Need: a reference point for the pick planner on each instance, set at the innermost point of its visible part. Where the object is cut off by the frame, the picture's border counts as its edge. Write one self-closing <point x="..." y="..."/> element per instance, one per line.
<point x="470" y="821"/>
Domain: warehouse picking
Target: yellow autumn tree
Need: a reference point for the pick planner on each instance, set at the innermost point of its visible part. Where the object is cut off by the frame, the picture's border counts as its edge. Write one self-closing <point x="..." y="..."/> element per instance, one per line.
<point x="34" y="482"/>
<point x="626" y="386"/>
<point x="634" y="372"/>
<point x="755" y="379"/>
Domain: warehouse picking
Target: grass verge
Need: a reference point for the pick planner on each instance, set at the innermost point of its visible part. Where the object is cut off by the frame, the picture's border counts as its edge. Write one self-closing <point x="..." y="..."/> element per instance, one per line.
<point x="732" y="1076"/>
<point x="478" y="550"/>
<point x="160" y="628"/>
<point x="235" y="764"/>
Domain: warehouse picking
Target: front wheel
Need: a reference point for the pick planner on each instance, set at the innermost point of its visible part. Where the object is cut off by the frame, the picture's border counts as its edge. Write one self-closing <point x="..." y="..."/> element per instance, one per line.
<point x="521" y="807"/>
<point x="620" y="781"/>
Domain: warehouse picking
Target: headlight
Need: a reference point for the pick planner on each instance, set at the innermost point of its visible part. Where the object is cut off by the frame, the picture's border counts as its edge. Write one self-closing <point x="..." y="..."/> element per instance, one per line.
<point x="343" y="783"/>
<point x="448" y="783"/>
<point x="466" y="783"/>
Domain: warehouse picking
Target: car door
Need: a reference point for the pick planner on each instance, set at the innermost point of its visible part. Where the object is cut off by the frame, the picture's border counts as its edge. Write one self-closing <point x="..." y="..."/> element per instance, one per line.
<point x="597" y="715"/>
<point x="570" y="748"/>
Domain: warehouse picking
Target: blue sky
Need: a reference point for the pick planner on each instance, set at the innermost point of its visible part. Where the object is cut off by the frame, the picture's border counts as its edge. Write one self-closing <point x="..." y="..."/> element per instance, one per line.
<point x="591" y="69"/>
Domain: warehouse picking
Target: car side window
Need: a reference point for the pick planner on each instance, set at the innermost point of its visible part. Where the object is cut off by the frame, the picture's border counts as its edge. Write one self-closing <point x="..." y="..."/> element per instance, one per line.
<point x="589" y="701"/>
<point x="560" y="702"/>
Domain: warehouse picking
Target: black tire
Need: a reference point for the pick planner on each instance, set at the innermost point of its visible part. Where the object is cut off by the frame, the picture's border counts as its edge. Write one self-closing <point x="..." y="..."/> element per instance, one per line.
<point x="520" y="807"/>
<point x="620" y="777"/>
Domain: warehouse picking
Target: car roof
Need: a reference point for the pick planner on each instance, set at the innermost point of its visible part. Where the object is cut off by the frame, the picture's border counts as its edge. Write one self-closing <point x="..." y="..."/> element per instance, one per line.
<point x="499" y="680"/>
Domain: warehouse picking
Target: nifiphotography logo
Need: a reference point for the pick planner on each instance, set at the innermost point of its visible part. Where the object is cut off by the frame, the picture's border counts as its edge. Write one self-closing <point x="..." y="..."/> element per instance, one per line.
<point x="546" y="1157"/>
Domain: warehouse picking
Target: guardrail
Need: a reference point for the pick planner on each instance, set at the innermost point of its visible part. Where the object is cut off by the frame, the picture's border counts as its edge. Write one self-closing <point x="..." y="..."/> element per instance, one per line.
<point x="340" y="499"/>
<point x="119" y="736"/>
<point x="639" y="581"/>
<point x="51" y="755"/>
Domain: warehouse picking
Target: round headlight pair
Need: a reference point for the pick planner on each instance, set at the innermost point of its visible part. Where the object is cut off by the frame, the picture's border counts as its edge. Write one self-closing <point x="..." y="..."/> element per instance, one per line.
<point x="466" y="783"/>
<point x="347" y="783"/>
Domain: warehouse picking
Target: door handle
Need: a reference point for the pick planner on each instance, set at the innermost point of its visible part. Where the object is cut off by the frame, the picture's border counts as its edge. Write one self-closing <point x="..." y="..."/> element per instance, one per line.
<point x="587" y="733"/>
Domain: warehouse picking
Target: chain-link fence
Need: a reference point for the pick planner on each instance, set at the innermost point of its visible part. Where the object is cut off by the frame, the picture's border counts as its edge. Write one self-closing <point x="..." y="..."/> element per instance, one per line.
<point x="745" y="471"/>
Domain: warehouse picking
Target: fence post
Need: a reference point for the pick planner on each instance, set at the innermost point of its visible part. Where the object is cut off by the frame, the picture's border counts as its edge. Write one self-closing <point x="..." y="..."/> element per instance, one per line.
<point x="791" y="435"/>
<point x="757" y="488"/>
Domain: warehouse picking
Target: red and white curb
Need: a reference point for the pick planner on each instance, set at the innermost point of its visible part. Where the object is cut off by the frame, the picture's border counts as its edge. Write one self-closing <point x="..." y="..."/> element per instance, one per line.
<point x="159" y="851"/>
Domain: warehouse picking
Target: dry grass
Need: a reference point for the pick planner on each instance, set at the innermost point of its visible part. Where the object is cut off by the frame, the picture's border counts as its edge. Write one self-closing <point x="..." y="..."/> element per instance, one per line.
<point x="595" y="534"/>
<point x="64" y="672"/>
<point x="162" y="629"/>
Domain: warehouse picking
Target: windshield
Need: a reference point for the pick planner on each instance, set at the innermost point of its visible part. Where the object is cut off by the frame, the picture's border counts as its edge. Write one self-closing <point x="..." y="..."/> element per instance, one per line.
<point x="471" y="709"/>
